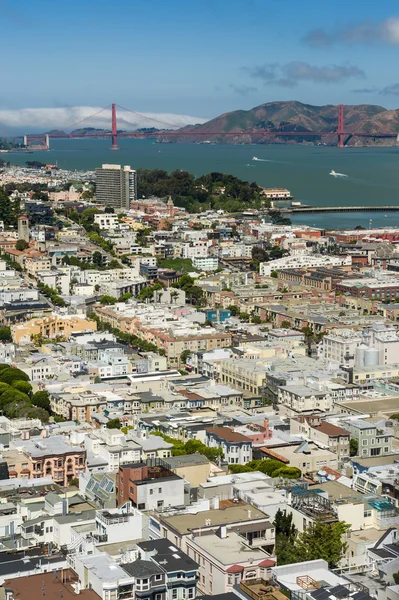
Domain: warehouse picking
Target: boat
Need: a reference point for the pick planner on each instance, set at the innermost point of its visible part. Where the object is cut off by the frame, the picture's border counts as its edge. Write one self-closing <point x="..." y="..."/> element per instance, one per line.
<point x="335" y="174"/>
<point x="255" y="158"/>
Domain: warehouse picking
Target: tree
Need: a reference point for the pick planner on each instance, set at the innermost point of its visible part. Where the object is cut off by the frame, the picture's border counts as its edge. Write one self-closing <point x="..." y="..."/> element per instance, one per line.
<point x="108" y="300"/>
<point x="74" y="481"/>
<point x="109" y="210"/>
<point x="114" y="424"/>
<point x="274" y="274"/>
<point x="286" y="325"/>
<point x="284" y="525"/>
<point x="183" y="356"/>
<point x="97" y="258"/>
<point x="11" y="374"/>
<point x="5" y="334"/>
<point x="323" y="540"/>
<point x="23" y="386"/>
<point x="353" y="447"/>
<point x="234" y="310"/>
<point x="259" y="254"/>
<point x="21" y="245"/>
<point x="41" y="399"/>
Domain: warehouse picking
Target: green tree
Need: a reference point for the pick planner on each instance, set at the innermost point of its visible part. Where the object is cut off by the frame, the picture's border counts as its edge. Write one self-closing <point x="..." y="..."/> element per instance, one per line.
<point x="274" y="274"/>
<point x="323" y="540"/>
<point x="11" y="374"/>
<point x="97" y="258"/>
<point x="183" y="356"/>
<point x="286" y="325"/>
<point x="5" y="334"/>
<point x="284" y="525"/>
<point x="114" y="424"/>
<point x="108" y="300"/>
<point x="41" y="399"/>
<point x="21" y="245"/>
<point x="23" y="386"/>
<point x="353" y="447"/>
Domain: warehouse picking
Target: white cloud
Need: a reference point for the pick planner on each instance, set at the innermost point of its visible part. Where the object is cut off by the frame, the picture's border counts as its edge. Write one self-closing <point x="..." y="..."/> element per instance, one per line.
<point x="384" y="32"/>
<point x="290" y="74"/>
<point x="45" y="119"/>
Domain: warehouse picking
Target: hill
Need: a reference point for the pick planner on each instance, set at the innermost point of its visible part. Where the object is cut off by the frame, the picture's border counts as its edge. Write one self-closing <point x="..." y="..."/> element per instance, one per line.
<point x="295" y="116"/>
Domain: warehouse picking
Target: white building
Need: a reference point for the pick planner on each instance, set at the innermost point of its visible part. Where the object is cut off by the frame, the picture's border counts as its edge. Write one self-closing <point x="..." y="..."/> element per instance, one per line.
<point x="106" y="221"/>
<point x="303" y="261"/>
<point x="206" y="263"/>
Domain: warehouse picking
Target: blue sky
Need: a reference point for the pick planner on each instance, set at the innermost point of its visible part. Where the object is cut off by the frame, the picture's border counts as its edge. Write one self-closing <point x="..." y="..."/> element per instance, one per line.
<point x="197" y="57"/>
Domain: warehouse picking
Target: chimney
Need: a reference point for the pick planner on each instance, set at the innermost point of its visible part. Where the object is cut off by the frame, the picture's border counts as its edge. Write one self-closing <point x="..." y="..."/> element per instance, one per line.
<point x="223" y="532"/>
<point x="249" y="514"/>
<point x="25" y="435"/>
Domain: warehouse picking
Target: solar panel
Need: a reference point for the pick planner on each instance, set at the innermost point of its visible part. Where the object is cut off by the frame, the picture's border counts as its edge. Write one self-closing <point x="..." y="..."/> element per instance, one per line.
<point x="339" y="591"/>
<point x="320" y="594"/>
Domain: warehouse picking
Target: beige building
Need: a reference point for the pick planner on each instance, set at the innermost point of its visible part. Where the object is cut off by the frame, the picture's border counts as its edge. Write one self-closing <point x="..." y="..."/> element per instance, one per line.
<point x="307" y="456"/>
<point x="51" y="327"/>
<point x="78" y="405"/>
<point x="336" y="438"/>
<point x="301" y="398"/>
<point x="244" y="374"/>
<point x="35" y="264"/>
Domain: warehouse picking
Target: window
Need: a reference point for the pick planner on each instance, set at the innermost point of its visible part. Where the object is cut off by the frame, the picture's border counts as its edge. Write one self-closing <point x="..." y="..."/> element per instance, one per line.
<point x="190" y="592"/>
<point x="158" y="596"/>
<point x="159" y="490"/>
<point x="158" y="577"/>
<point x="230" y="579"/>
<point x="140" y="506"/>
<point x="151" y="492"/>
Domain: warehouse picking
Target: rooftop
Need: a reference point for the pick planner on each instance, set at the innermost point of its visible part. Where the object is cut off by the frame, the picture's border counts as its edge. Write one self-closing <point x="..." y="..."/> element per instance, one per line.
<point x="31" y="587"/>
<point x="236" y="513"/>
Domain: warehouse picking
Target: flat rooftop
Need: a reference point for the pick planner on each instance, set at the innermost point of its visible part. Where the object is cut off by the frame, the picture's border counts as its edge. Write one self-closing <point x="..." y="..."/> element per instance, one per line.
<point x="30" y="588"/>
<point x="236" y="513"/>
<point x="229" y="550"/>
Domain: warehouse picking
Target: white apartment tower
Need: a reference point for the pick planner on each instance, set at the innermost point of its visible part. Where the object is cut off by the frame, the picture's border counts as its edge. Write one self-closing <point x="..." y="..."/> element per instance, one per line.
<point x="116" y="186"/>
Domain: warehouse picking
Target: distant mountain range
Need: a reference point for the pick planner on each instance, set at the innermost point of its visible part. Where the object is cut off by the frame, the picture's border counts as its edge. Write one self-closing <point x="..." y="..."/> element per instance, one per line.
<point x="295" y="116"/>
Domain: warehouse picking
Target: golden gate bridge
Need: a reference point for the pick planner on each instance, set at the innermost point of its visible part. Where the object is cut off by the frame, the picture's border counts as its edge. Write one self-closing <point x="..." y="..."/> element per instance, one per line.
<point x="42" y="141"/>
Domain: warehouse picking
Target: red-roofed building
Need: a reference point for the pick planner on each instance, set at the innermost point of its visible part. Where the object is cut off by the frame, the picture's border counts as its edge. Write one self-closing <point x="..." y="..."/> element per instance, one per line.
<point x="237" y="448"/>
<point x="314" y="428"/>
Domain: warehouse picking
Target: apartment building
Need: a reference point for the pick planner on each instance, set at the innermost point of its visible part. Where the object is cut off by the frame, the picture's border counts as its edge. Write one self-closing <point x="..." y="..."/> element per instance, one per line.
<point x="205" y="263"/>
<point x="116" y="186"/>
<point x="314" y="428"/>
<point x="304" y="260"/>
<point x="372" y="441"/>
<point x="149" y="488"/>
<point x="181" y="570"/>
<point x="230" y="545"/>
<point x="46" y="457"/>
<point x="237" y="448"/>
<point x="302" y="398"/>
<point x="51" y="327"/>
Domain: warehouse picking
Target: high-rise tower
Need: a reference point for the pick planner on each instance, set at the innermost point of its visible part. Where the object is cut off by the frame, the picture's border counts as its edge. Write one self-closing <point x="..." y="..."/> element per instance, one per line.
<point x="116" y="186"/>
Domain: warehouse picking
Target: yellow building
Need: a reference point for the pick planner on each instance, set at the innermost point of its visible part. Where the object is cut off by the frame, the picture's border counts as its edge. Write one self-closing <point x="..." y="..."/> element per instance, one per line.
<point x="50" y="327"/>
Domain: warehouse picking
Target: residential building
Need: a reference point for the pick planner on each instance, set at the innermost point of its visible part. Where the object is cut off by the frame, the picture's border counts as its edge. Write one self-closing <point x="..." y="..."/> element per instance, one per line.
<point x="149" y="487"/>
<point x="205" y="263"/>
<point x="46" y="457"/>
<point x="315" y="429"/>
<point x="372" y="441"/>
<point x="303" y="260"/>
<point x="51" y="327"/>
<point x="116" y="186"/>
<point x="302" y="398"/>
<point x="236" y="448"/>
<point x="181" y="570"/>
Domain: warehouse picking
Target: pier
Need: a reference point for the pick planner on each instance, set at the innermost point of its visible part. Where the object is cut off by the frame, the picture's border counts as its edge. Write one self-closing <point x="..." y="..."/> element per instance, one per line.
<point x="340" y="209"/>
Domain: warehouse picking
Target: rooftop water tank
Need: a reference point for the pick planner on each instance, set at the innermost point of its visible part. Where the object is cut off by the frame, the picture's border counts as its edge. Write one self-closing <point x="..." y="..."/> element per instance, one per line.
<point x="359" y="355"/>
<point x="371" y="357"/>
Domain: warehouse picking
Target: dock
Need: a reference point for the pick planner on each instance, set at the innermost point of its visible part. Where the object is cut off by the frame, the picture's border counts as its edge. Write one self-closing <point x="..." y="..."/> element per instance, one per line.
<point x="340" y="209"/>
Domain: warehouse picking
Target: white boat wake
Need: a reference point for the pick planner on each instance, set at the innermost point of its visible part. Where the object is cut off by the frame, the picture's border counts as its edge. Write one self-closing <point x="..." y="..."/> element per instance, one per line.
<point x="260" y="159"/>
<point x="334" y="174"/>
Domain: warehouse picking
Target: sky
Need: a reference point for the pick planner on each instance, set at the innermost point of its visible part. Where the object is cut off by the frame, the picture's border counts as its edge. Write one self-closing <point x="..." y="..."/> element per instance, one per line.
<point x="190" y="60"/>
